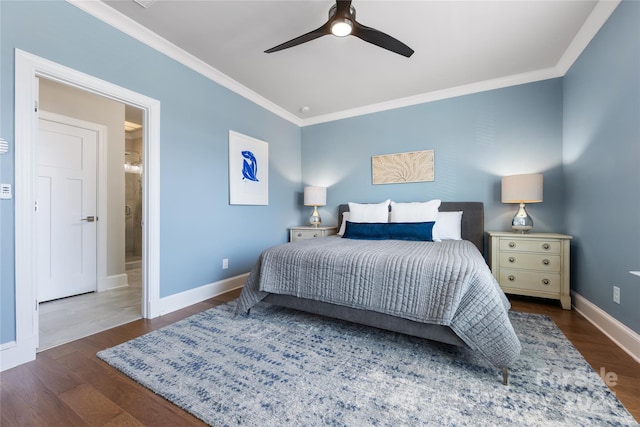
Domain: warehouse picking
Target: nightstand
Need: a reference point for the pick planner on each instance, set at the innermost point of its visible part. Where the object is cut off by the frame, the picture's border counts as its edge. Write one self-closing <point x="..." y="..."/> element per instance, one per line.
<point x="534" y="264"/>
<point x="309" y="232"/>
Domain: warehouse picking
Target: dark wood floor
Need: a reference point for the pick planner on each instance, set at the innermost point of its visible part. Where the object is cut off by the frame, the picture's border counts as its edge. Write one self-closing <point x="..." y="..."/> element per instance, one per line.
<point x="70" y="386"/>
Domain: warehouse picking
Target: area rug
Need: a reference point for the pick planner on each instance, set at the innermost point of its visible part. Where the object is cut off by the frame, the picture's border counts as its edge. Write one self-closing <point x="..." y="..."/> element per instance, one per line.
<point x="280" y="367"/>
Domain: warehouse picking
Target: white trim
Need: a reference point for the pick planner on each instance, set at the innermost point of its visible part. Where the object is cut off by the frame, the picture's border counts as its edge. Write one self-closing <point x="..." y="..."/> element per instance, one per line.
<point x="14" y="353"/>
<point x="112" y="282"/>
<point x="27" y="68"/>
<point x="599" y="15"/>
<point x="596" y="19"/>
<point x="151" y="210"/>
<point x="193" y="296"/>
<point x="128" y="26"/>
<point x="548" y="73"/>
<point x="619" y="333"/>
<point x="7" y="345"/>
<point x="101" y="196"/>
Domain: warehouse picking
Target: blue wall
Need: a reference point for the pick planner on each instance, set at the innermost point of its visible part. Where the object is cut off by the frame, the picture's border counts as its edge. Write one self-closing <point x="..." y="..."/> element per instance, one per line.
<point x="582" y="132"/>
<point x="602" y="165"/>
<point x="476" y="140"/>
<point x="198" y="226"/>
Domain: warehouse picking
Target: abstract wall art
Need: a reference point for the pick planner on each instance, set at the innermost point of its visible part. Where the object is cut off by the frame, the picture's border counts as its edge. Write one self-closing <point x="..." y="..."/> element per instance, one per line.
<point x="414" y="166"/>
<point x="248" y="170"/>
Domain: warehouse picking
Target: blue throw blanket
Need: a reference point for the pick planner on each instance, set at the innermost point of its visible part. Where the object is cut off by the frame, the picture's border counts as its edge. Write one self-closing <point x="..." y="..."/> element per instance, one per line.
<point x="445" y="283"/>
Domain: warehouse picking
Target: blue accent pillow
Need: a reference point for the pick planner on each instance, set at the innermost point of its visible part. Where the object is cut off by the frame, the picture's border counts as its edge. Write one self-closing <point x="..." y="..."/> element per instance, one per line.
<point x="415" y="231"/>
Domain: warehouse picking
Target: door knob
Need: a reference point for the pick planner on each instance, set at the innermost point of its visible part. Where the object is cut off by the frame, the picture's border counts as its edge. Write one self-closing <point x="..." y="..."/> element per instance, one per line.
<point x="89" y="219"/>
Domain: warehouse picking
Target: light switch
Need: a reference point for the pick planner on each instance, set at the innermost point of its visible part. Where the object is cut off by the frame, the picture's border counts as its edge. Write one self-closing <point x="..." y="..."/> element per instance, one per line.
<point x="5" y="191"/>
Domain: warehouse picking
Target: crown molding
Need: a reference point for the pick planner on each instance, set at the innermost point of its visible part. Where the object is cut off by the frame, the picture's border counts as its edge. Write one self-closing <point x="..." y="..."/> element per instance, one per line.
<point x="112" y="17"/>
<point x="596" y="19"/>
<point x="599" y="15"/>
<point x="452" y="92"/>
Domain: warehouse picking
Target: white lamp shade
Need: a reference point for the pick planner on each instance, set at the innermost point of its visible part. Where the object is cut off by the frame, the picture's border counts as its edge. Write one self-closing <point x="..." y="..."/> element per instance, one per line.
<point x="522" y="188"/>
<point x="315" y="196"/>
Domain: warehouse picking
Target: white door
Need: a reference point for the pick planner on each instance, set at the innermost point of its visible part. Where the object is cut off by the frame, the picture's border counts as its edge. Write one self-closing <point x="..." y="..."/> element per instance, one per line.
<point x="66" y="188"/>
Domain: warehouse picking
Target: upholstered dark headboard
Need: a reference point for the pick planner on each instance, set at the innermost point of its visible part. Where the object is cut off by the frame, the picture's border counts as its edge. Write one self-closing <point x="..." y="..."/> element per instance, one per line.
<point x="472" y="220"/>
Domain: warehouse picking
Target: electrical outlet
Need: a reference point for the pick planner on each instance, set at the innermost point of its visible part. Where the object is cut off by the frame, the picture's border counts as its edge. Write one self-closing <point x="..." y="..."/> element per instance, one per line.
<point x="225" y="264"/>
<point x="616" y="295"/>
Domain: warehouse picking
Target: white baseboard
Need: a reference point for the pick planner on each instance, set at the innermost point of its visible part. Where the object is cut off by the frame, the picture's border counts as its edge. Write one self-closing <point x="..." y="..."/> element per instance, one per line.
<point x="113" y="282"/>
<point x="15" y="353"/>
<point x="194" y="296"/>
<point x="619" y="333"/>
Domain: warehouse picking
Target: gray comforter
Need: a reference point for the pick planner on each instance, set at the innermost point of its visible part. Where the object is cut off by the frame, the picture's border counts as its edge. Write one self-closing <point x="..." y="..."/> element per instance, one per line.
<point x="446" y="283"/>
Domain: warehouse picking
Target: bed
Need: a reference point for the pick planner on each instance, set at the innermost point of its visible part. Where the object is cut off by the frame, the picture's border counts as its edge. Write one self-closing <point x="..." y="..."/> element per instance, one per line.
<point x="441" y="291"/>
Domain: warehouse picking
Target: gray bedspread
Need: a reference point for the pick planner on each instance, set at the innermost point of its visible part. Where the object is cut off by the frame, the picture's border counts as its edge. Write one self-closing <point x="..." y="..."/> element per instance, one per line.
<point x="446" y="283"/>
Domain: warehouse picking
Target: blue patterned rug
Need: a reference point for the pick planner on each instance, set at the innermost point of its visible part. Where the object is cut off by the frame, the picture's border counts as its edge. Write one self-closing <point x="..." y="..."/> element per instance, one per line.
<point x="279" y="367"/>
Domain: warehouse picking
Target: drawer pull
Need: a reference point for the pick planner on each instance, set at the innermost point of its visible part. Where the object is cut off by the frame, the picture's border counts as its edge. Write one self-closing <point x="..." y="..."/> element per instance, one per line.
<point x="315" y="235"/>
<point x="511" y="259"/>
<point x="511" y="278"/>
<point x="546" y="282"/>
<point x="512" y="244"/>
<point x="546" y="261"/>
<point x="546" y="246"/>
<point x="299" y="234"/>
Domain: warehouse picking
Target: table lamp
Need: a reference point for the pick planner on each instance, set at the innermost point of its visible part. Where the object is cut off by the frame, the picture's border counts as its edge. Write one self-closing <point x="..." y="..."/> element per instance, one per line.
<point x="522" y="189"/>
<point x="315" y="196"/>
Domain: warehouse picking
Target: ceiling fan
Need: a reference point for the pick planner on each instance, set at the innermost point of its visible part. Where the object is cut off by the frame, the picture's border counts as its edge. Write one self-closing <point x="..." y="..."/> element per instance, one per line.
<point x="342" y="22"/>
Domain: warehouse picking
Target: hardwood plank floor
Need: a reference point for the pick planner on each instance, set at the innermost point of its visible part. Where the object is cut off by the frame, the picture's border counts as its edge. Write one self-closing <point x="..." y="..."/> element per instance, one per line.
<point x="69" y="386"/>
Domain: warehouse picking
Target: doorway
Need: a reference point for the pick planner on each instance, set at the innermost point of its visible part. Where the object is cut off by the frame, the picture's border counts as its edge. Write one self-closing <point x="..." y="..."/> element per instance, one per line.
<point x="75" y="158"/>
<point x="28" y="68"/>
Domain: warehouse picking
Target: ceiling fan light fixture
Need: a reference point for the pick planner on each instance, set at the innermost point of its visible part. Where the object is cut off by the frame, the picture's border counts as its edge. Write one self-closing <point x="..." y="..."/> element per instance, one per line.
<point x="341" y="23"/>
<point x="341" y="27"/>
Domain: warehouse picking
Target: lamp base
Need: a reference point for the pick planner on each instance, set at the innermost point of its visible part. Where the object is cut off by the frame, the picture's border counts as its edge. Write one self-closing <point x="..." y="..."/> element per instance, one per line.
<point x="522" y="222"/>
<point x="315" y="219"/>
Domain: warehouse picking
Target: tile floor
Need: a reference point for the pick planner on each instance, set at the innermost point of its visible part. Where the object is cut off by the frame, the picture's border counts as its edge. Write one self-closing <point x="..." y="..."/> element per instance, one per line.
<point x="69" y="319"/>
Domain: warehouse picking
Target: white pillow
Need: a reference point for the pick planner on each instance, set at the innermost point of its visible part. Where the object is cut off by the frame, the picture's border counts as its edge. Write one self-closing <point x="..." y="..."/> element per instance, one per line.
<point x="343" y="225"/>
<point x="369" y="212"/>
<point x="415" y="211"/>
<point x="448" y="226"/>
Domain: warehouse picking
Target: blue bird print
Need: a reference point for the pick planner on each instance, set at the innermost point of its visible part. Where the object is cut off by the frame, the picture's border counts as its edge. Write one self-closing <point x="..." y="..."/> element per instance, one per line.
<point x="249" y="166"/>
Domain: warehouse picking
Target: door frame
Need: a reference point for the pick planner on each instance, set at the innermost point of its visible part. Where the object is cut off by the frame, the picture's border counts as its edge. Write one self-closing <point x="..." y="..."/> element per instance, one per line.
<point x="101" y="190"/>
<point x="28" y="68"/>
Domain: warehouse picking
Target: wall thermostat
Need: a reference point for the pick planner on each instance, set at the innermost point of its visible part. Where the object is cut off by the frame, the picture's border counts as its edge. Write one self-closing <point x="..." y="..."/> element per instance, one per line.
<point x="5" y="191"/>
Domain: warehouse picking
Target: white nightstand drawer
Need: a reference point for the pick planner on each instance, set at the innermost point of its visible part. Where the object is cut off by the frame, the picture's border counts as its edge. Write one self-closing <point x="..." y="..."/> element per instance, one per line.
<point x="307" y="234"/>
<point x="530" y="280"/>
<point x="529" y="261"/>
<point x="521" y="245"/>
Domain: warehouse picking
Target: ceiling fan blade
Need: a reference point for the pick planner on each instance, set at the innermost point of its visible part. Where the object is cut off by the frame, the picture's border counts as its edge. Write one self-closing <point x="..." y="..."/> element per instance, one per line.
<point x="381" y="39"/>
<point x="311" y="35"/>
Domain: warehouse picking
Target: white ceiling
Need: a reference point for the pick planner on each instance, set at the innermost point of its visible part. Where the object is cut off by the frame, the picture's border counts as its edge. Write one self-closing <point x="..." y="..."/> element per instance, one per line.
<point x="460" y="47"/>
